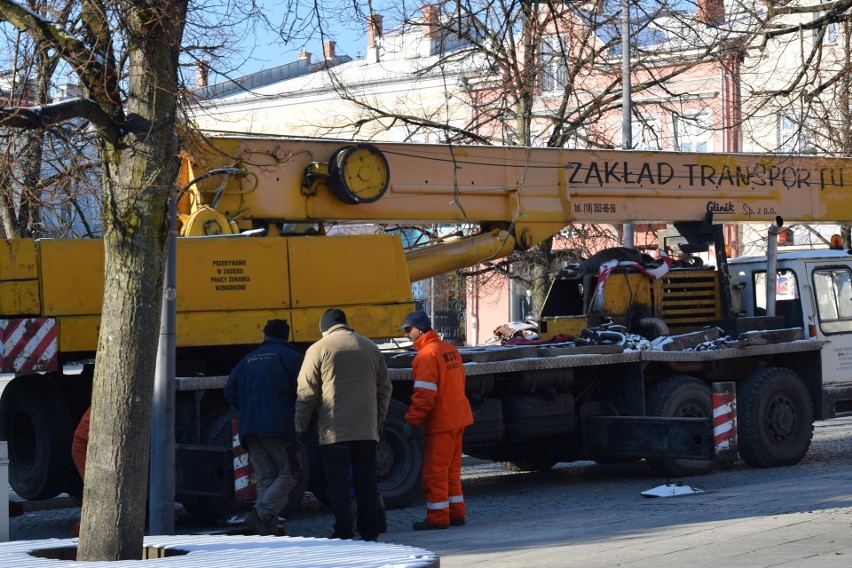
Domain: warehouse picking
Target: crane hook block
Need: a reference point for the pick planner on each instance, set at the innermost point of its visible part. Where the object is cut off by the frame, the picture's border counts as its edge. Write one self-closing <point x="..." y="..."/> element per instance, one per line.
<point x="358" y="174"/>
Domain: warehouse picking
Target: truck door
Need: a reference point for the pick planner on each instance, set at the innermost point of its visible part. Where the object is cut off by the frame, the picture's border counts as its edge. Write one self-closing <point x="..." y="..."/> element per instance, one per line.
<point x="831" y="287"/>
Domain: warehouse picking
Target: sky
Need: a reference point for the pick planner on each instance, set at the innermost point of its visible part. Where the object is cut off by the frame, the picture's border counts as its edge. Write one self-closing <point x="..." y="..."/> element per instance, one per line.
<point x="264" y="49"/>
<point x="270" y="52"/>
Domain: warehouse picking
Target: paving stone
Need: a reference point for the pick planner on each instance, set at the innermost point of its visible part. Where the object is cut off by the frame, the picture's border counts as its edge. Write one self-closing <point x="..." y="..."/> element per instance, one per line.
<point x="593" y="515"/>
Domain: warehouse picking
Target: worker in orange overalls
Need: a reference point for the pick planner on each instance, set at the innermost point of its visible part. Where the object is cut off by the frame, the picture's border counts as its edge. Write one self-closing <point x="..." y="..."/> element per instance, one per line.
<point x="79" y="447"/>
<point x="440" y="405"/>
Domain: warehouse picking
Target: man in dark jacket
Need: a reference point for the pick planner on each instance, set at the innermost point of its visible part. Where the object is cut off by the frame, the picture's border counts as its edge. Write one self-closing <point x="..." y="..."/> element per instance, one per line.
<point x="263" y="388"/>
<point x="345" y="379"/>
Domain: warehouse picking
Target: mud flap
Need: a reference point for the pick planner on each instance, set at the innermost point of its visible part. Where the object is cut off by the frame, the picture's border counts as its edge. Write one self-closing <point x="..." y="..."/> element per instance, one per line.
<point x="205" y="471"/>
<point x="648" y="437"/>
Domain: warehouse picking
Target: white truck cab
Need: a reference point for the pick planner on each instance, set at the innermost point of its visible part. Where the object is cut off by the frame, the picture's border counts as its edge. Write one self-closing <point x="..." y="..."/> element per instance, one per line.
<point x="814" y="291"/>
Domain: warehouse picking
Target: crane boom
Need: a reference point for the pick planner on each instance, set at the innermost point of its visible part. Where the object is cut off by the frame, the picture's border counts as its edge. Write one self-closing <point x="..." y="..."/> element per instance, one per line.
<point x="534" y="192"/>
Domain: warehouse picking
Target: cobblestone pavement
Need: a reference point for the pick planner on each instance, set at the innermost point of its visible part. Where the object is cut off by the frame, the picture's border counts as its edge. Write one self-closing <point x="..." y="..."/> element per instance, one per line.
<point x="596" y="513"/>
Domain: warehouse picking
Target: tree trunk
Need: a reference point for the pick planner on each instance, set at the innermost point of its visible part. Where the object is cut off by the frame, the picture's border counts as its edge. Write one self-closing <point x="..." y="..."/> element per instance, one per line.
<point x="115" y="489"/>
<point x="139" y="174"/>
<point x="8" y="221"/>
<point x="114" y="499"/>
<point x="540" y="280"/>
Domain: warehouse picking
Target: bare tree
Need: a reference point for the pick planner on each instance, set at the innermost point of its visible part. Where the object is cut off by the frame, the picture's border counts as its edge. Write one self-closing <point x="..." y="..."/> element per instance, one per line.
<point x="126" y="57"/>
<point x="797" y="68"/>
<point x="47" y="179"/>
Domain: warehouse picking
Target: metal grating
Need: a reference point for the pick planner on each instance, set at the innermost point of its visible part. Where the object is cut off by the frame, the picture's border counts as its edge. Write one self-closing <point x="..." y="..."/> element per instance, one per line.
<point x="450" y="325"/>
<point x="688" y="300"/>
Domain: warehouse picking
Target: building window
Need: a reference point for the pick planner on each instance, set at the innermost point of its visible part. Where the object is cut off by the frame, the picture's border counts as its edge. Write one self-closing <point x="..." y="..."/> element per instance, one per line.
<point x="694" y="132"/>
<point x="554" y="70"/>
<point x="578" y="139"/>
<point x="830" y="36"/>
<point x="793" y="134"/>
<point x="647" y="133"/>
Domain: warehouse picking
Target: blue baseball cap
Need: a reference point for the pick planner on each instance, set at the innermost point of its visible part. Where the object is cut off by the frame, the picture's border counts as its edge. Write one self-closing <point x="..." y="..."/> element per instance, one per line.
<point x="417" y="319"/>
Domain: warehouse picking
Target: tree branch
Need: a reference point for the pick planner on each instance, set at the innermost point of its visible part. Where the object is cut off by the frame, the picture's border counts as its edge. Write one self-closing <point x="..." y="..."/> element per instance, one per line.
<point x="55" y="113"/>
<point x="75" y="52"/>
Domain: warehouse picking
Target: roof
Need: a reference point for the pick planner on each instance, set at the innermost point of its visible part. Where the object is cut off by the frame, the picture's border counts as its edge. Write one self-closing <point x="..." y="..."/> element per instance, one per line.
<point x="812" y="255"/>
<point x="264" y="77"/>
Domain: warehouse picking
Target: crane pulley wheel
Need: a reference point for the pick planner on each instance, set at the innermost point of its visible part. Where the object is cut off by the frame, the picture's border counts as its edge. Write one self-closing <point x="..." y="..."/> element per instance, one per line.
<point x="205" y="222"/>
<point x="358" y="174"/>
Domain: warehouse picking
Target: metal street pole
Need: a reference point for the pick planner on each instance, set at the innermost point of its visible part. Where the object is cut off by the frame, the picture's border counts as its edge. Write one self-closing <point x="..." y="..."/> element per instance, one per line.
<point x="161" y="495"/>
<point x="626" y="100"/>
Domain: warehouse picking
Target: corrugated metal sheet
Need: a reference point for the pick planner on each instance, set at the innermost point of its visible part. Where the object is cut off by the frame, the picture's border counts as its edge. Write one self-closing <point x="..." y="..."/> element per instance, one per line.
<point x="204" y="551"/>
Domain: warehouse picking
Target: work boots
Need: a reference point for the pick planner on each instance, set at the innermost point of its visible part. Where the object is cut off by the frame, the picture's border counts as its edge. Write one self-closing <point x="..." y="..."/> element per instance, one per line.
<point x="427" y="526"/>
<point x="261" y="527"/>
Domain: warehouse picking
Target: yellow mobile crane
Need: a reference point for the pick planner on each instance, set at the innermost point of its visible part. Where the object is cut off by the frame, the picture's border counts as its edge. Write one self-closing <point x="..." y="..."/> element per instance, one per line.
<point x="258" y="246"/>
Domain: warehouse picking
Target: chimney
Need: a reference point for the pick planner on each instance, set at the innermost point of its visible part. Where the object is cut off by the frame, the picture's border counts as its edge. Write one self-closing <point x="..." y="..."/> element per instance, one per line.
<point x="430" y="20"/>
<point x="306" y="56"/>
<point x="202" y="70"/>
<point x="328" y="50"/>
<point x="374" y="29"/>
<point x="709" y="12"/>
<point x="68" y="90"/>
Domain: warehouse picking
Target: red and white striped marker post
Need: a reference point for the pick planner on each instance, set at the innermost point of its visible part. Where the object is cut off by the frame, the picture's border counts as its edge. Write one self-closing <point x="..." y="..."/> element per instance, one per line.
<point x="244" y="484"/>
<point x="725" y="422"/>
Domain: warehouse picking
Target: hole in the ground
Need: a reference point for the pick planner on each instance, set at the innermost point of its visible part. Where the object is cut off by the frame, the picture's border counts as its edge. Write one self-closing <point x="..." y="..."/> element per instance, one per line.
<point x="70" y="553"/>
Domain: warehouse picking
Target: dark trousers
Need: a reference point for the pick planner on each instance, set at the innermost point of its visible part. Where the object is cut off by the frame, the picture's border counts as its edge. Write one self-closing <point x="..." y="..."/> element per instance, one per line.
<point x="338" y="460"/>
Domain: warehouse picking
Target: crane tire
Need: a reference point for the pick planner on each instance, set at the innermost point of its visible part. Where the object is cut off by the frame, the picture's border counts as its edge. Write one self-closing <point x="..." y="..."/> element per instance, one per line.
<point x="399" y="460"/>
<point x="680" y="396"/>
<point x="775" y="418"/>
<point x="38" y="428"/>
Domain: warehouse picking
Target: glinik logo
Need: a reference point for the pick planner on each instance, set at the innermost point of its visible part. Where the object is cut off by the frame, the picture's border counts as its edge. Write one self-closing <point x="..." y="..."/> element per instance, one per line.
<point x="716" y="207"/>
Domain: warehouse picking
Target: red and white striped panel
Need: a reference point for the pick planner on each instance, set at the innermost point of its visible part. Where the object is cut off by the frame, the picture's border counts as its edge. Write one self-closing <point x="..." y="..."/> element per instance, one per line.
<point x="28" y="345"/>
<point x="244" y="483"/>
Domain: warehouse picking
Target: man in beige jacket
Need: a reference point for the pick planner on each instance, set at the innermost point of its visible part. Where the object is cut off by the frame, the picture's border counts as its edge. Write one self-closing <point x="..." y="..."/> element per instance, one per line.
<point x="345" y="379"/>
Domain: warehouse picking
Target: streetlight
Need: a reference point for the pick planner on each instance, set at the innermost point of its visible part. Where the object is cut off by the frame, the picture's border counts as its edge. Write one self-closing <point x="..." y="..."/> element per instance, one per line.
<point x="626" y="102"/>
